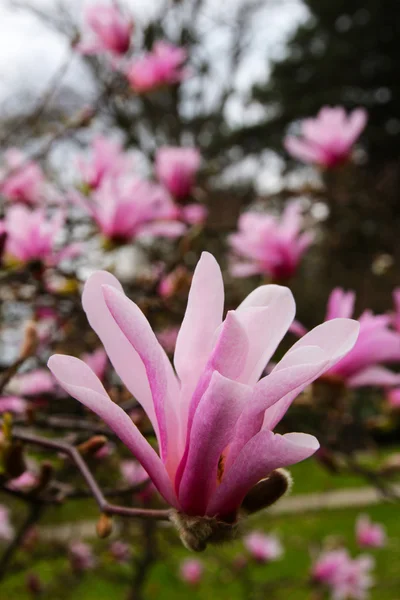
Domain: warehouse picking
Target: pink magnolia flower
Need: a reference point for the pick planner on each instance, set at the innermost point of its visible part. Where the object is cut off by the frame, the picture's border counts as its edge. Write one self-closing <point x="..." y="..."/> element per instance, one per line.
<point x="167" y="338"/>
<point x="393" y="397"/>
<point x="120" y="551"/>
<point x="25" y="481"/>
<point x="125" y="208"/>
<point x="97" y="361"/>
<point x="376" y="345"/>
<point x="347" y="578"/>
<point x="263" y="548"/>
<point x="213" y="419"/>
<point x="6" y="529"/>
<point x="81" y="556"/>
<point x="106" y="159"/>
<point x="110" y="30"/>
<point x="24" y="181"/>
<point x="133" y="472"/>
<point x="270" y="246"/>
<point x="194" y="214"/>
<point x="330" y="564"/>
<point x="162" y="66"/>
<point x="173" y="282"/>
<point x="12" y="404"/>
<point x="31" y="236"/>
<point x="355" y="580"/>
<point x="104" y="452"/>
<point x="327" y="140"/>
<point x="191" y="571"/>
<point x="368" y="534"/>
<point x="396" y="315"/>
<point x="176" y="169"/>
<point x="33" y="383"/>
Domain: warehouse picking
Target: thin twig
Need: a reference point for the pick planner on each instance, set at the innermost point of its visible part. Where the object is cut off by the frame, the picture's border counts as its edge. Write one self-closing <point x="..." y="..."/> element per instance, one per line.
<point x="103" y="504"/>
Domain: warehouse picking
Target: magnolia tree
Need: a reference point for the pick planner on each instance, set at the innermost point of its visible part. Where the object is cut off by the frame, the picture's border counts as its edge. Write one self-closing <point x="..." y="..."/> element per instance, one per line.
<point x="128" y="375"/>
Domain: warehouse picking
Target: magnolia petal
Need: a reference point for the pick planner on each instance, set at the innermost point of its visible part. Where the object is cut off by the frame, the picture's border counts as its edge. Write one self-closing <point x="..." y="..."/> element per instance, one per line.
<point x="202" y="317"/>
<point x="335" y="338"/>
<point x="287" y="378"/>
<point x="212" y="430"/>
<point x="262" y="454"/>
<point x="266" y="315"/>
<point x="376" y="376"/>
<point x="137" y="330"/>
<point x="303" y="150"/>
<point x="121" y="353"/>
<point x="81" y="383"/>
<point x="227" y="358"/>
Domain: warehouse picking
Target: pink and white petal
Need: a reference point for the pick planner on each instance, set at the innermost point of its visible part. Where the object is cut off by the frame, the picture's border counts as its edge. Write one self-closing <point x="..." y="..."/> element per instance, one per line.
<point x="212" y="430"/>
<point x="297" y="329"/>
<point x="262" y="454"/>
<point x="121" y="353"/>
<point x="163" y="384"/>
<point x="340" y="304"/>
<point x="374" y="376"/>
<point x="303" y="150"/>
<point x="356" y="123"/>
<point x="168" y="229"/>
<point x="228" y="359"/>
<point x="245" y="269"/>
<point x="266" y="315"/>
<point x="202" y="317"/>
<point x="82" y="384"/>
<point x="273" y="395"/>
<point x="335" y="337"/>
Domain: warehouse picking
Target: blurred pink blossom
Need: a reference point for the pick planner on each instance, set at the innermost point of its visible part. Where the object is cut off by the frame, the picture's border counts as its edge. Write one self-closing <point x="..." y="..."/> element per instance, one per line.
<point x="81" y="556"/>
<point x="33" y="383"/>
<point x="162" y="66"/>
<point x="327" y="140"/>
<point x="369" y="534"/>
<point x="222" y="406"/>
<point x="393" y="397"/>
<point x="6" y="529"/>
<point x="97" y="361"/>
<point x="262" y="547"/>
<point x="176" y="169"/>
<point x="109" y="30"/>
<point x="32" y="236"/>
<point x="104" y="452"/>
<point x="106" y="159"/>
<point x="194" y="214"/>
<point x="25" y="481"/>
<point x="23" y="180"/>
<point x="173" y="282"/>
<point x="330" y="564"/>
<point x="120" y="551"/>
<point x="125" y="208"/>
<point x="12" y="404"/>
<point x="347" y="578"/>
<point x="355" y="580"/>
<point x="191" y="571"/>
<point x="396" y="315"/>
<point x="167" y="338"/>
<point x="268" y="245"/>
<point x="377" y="344"/>
<point x="133" y="472"/>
